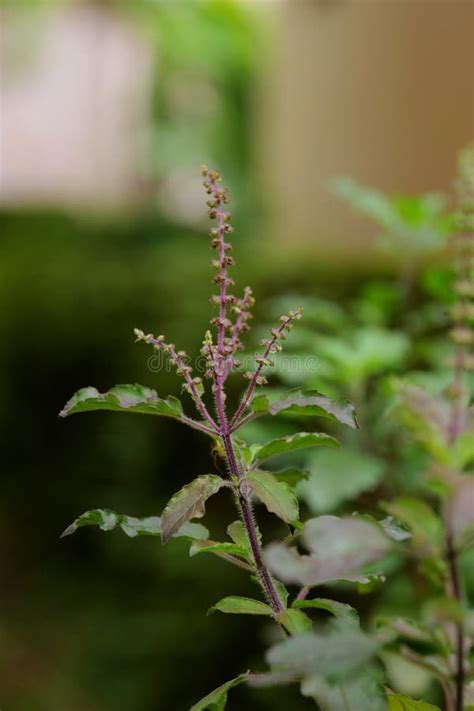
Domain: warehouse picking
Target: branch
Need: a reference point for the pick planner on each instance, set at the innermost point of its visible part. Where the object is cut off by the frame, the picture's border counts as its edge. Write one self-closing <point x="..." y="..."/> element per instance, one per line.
<point x="183" y="370"/>
<point x="256" y="378"/>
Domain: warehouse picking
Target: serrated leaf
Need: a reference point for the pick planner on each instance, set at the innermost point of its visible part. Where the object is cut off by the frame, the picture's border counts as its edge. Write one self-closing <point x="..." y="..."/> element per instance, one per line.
<point x="397" y="702"/>
<point x="335" y="653"/>
<point x="341" y="611"/>
<point x="123" y="398"/>
<point x="278" y="497"/>
<point x="295" y="621"/>
<point x="215" y="547"/>
<point x="235" y="605"/>
<point x="340" y="549"/>
<point x="188" y="503"/>
<point x="301" y="440"/>
<point x="306" y="403"/>
<point x="217" y="699"/>
<point x="150" y="526"/>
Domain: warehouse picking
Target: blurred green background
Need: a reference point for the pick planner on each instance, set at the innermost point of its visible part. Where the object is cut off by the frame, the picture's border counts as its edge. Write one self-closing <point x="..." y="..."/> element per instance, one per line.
<point x="109" y="109"/>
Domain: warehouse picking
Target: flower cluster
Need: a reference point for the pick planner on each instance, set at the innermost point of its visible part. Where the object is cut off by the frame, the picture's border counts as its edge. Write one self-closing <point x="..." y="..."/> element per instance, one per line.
<point x="231" y="322"/>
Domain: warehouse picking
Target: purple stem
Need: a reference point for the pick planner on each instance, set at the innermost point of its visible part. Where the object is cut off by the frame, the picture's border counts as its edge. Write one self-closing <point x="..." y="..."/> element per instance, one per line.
<point x="194" y="392"/>
<point x="251" y="529"/>
<point x="303" y="593"/>
<point x="253" y="383"/>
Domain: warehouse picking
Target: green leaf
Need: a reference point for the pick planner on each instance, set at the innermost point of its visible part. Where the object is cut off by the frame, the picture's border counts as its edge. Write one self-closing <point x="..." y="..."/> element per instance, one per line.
<point x="397" y="702"/>
<point x="236" y="531"/>
<point x="464" y="448"/>
<point x="365" y="692"/>
<point x="277" y="496"/>
<point x="151" y="526"/>
<point x="236" y="605"/>
<point x="123" y="398"/>
<point x="338" y="475"/>
<point x="295" y="621"/>
<point x="419" y="518"/>
<point x="294" y="442"/>
<point x="215" y="547"/>
<point x="292" y="476"/>
<point x="426" y="417"/>
<point x="341" y="611"/>
<point x="188" y="503"/>
<point x="306" y="403"/>
<point x="340" y="549"/>
<point x="414" y="223"/>
<point x="217" y="699"/>
<point x="365" y="352"/>
<point x="335" y="653"/>
<point x="283" y="593"/>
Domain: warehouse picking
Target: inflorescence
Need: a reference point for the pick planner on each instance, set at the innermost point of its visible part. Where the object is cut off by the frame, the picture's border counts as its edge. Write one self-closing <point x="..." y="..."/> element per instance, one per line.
<point x="231" y="322"/>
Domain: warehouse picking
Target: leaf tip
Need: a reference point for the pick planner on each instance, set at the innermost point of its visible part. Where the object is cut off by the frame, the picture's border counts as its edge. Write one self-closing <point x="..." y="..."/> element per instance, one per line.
<point x="69" y="531"/>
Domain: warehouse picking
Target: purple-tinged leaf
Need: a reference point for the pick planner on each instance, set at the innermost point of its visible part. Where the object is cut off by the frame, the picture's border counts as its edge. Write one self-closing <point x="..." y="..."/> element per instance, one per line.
<point x="107" y="520"/>
<point x="301" y="440"/>
<point x="188" y="503"/>
<point x="459" y="509"/>
<point x="340" y="549"/>
<point x="306" y="403"/>
<point x="364" y="692"/>
<point x="334" y="654"/>
<point x="123" y="398"/>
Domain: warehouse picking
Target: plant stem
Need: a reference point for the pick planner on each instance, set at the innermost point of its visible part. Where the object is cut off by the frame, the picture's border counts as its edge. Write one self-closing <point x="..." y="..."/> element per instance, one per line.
<point x="199" y="402"/>
<point x="303" y="593"/>
<point x="253" y="383"/>
<point x="456" y="592"/>
<point x="251" y="529"/>
<point x="197" y="425"/>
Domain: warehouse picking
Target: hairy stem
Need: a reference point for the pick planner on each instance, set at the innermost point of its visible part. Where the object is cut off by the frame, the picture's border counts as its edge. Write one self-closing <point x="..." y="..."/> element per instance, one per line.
<point x="192" y="387"/>
<point x="197" y="425"/>
<point x="251" y="529"/>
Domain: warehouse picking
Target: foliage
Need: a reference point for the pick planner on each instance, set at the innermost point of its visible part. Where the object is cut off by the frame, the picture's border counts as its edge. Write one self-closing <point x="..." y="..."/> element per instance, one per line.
<point x="337" y="664"/>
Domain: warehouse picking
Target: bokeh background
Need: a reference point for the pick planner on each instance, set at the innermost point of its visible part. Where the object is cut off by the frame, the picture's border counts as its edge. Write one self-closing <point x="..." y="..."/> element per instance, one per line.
<point x="108" y="109"/>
